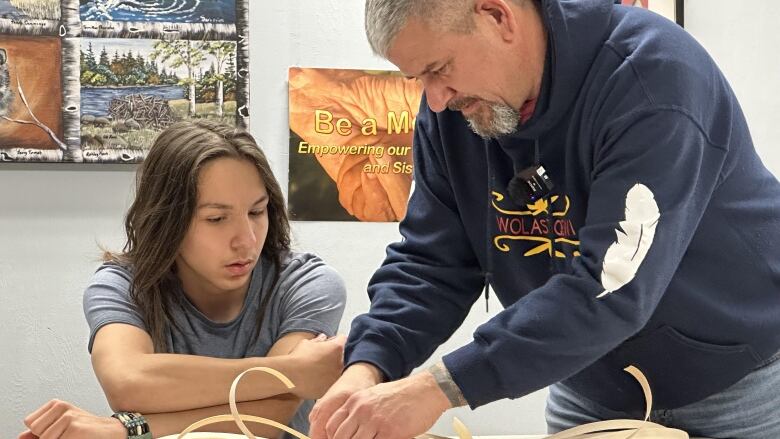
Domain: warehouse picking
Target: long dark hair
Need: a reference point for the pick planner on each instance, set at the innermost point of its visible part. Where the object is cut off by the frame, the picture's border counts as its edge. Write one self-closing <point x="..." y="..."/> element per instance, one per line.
<point x="166" y="195"/>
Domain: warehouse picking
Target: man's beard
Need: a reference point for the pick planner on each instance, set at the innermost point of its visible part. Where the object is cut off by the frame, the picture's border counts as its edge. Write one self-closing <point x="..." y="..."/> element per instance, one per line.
<point x="491" y="119"/>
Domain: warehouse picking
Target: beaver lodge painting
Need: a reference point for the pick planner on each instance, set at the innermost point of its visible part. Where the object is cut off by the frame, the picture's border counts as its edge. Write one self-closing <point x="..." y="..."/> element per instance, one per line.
<point x="97" y="80"/>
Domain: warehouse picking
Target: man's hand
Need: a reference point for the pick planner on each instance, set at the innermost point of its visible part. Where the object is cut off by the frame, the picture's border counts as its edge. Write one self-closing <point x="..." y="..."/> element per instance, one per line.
<point x="395" y="410"/>
<point x="357" y="377"/>
<point x="318" y="363"/>
<point x="59" y="419"/>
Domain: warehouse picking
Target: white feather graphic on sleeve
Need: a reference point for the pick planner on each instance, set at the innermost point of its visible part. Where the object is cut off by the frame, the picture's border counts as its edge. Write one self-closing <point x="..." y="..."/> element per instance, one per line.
<point x="624" y="256"/>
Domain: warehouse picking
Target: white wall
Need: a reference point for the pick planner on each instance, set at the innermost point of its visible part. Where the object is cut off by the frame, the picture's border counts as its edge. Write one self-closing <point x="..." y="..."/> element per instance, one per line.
<point x="52" y="216"/>
<point x="742" y="37"/>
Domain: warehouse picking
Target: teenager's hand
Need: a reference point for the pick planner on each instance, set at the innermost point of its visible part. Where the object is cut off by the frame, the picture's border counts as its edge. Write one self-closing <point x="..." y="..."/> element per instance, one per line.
<point x="318" y="364"/>
<point x="59" y="419"/>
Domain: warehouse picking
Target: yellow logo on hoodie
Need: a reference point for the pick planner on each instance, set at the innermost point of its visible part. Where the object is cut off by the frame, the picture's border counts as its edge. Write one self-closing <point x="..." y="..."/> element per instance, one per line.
<point x="544" y="225"/>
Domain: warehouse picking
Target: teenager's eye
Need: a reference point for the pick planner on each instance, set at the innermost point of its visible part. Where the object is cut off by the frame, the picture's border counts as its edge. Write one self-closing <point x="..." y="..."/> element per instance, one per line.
<point x="257" y="212"/>
<point x="215" y="219"/>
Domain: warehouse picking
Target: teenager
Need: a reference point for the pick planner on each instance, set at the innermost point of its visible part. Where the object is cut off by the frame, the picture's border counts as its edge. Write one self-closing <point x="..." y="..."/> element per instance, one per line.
<point x="205" y="288"/>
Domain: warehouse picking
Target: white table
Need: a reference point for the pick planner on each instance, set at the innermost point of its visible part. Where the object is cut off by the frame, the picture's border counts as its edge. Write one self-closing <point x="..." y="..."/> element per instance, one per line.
<point x="240" y="436"/>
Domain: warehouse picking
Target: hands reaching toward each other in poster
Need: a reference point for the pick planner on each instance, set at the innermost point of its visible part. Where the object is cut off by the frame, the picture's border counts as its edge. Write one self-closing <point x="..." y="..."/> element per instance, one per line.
<point x="357" y="96"/>
<point x="59" y="419"/>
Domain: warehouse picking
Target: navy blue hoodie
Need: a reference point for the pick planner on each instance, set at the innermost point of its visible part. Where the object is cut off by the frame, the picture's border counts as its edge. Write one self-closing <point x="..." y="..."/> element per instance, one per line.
<point x="658" y="246"/>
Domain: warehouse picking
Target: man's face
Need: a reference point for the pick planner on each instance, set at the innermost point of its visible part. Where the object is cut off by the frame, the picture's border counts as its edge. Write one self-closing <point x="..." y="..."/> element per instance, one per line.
<point x="470" y="72"/>
<point x="487" y="119"/>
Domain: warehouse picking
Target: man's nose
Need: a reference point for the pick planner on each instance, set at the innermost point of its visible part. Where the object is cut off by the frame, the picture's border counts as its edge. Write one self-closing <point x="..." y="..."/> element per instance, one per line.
<point x="438" y="96"/>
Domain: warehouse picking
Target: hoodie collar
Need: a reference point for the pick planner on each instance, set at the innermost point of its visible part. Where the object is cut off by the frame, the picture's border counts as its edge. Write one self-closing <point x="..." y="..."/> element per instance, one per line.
<point x="576" y="31"/>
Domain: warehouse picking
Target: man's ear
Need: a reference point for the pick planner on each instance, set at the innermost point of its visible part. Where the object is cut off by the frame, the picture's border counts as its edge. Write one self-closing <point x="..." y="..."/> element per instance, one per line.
<point x="499" y="14"/>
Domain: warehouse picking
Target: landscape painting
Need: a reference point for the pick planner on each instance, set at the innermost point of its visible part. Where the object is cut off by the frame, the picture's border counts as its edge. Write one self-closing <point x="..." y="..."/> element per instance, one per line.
<point x="173" y="11"/>
<point x="131" y="89"/>
<point x="96" y="81"/>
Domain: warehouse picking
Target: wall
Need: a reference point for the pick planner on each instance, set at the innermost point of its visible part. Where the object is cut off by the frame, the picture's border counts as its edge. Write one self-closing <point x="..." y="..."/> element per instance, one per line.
<point x="742" y="37"/>
<point x="53" y="216"/>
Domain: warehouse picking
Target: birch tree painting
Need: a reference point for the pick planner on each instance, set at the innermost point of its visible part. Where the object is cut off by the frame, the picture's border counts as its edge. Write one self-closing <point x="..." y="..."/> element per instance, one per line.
<point x="114" y="74"/>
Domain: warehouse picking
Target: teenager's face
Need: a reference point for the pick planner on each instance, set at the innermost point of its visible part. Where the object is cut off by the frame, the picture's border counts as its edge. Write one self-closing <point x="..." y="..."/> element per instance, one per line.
<point x="227" y="232"/>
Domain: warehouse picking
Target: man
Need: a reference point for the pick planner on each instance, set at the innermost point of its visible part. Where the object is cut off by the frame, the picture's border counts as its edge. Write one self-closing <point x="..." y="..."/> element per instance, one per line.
<point x="589" y="162"/>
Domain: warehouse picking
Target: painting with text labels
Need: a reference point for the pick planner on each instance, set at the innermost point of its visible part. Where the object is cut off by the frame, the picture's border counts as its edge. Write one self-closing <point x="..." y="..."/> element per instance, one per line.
<point x="350" y="144"/>
<point x="96" y="80"/>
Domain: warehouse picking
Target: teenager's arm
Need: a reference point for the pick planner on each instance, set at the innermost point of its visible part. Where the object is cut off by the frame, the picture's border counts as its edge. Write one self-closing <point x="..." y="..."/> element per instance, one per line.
<point x="61" y="419"/>
<point x="278" y="408"/>
<point x="134" y="378"/>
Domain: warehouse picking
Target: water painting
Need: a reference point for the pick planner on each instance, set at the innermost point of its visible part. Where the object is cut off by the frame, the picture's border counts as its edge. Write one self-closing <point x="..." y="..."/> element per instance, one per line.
<point x="175" y="11"/>
<point x="133" y="89"/>
<point x="97" y="80"/>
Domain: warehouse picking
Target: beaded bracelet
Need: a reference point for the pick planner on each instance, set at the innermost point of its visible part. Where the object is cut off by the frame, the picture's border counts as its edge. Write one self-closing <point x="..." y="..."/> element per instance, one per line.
<point x="135" y="423"/>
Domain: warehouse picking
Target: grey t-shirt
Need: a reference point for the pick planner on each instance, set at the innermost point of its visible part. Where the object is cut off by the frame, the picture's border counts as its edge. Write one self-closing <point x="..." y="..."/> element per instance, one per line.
<point x="308" y="297"/>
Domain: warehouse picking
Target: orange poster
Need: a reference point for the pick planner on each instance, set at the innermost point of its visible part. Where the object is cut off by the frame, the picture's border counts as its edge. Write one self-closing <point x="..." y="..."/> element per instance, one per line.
<point x="350" y="144"/>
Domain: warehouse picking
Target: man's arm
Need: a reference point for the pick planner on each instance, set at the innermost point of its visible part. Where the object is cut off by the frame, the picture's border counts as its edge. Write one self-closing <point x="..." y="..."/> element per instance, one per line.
<point x="652" y="181"/>
<point x="429" y="280"/>
<point x="420" y="295"/>
<point x="447" y="385"/>
<point x="130" y="372"/>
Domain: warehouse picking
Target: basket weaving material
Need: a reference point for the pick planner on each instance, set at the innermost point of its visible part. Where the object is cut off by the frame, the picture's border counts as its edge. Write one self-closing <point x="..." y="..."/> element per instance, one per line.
<point x="613" y="429"/>
<point x="625" y="428"/>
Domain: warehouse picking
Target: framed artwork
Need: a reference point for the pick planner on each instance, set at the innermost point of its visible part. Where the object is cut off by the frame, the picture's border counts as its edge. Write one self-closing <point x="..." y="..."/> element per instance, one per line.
<point x="97" y="80"/>
<point x="671" y="9"/>
<point x="350" y="144"/>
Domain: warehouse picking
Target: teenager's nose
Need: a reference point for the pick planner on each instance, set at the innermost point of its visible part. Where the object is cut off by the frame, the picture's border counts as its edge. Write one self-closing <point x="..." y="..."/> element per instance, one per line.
<point x="245" y="235"/>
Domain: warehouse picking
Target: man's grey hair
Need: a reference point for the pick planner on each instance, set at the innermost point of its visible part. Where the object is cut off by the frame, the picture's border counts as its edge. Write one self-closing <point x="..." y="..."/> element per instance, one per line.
<point x="385" y="18"/>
